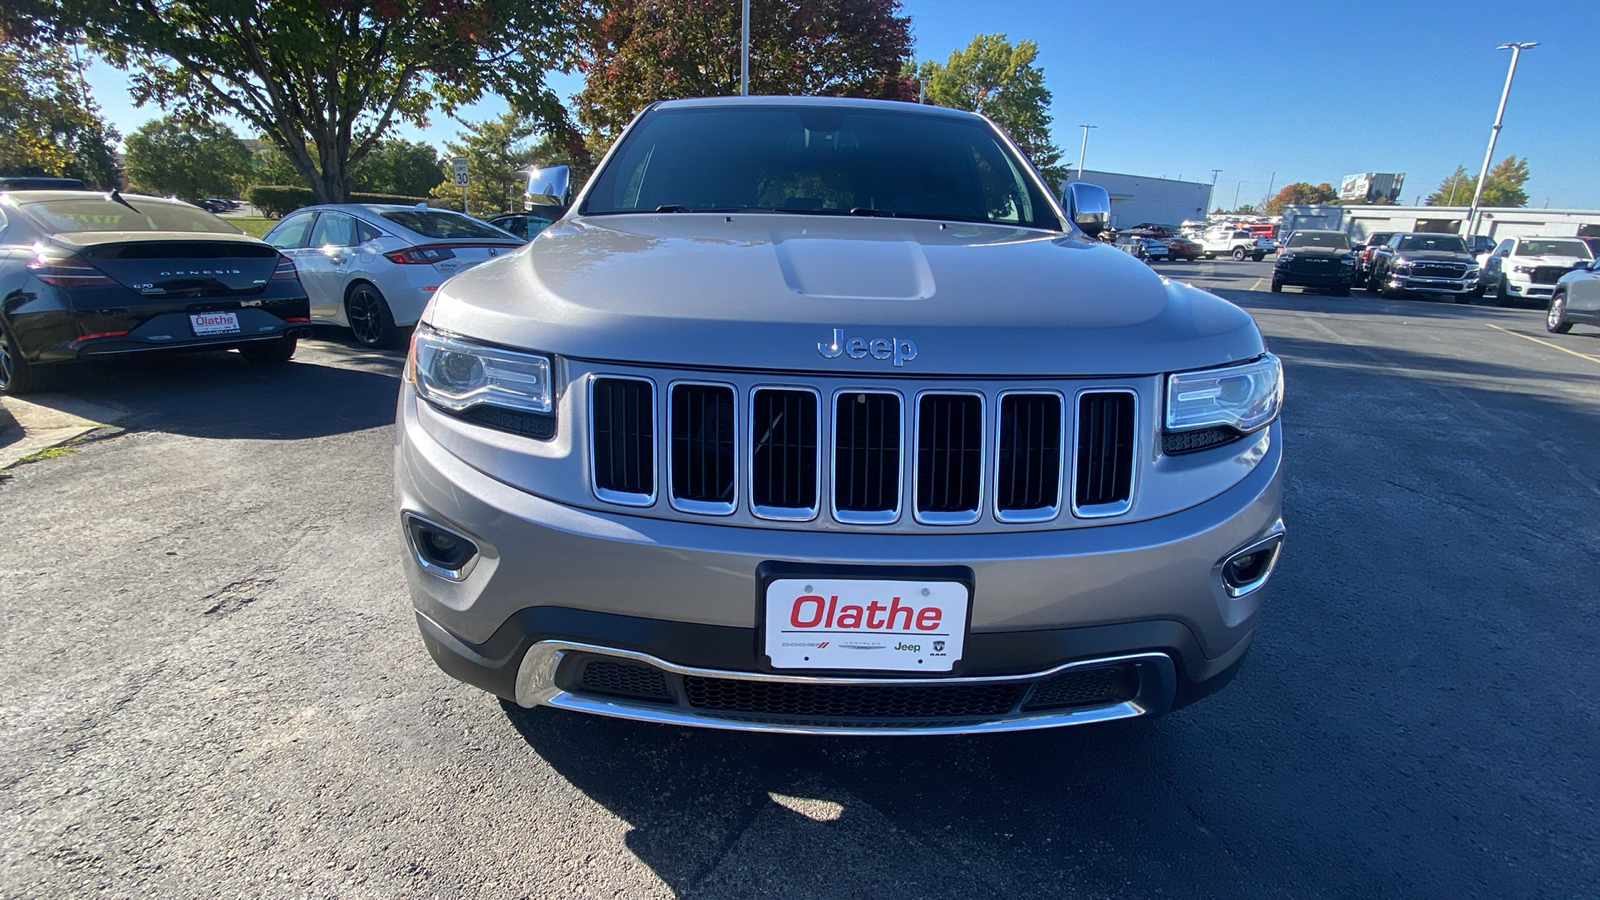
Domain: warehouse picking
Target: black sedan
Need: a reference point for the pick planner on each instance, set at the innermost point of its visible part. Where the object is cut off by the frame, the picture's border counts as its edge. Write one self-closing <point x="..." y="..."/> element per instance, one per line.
<point x="89" y="275"/>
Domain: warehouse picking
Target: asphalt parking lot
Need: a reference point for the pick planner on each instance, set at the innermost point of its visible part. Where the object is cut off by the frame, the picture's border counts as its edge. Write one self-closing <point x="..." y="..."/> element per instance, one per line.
<point x="213" y="685"/>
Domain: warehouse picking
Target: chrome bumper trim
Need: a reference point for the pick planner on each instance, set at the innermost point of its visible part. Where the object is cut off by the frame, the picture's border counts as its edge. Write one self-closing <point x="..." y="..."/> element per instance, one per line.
<point x="536" y="686"/>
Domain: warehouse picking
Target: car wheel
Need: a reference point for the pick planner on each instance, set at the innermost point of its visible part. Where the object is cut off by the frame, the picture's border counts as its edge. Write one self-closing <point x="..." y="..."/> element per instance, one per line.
<point x="270" y="352"/>
<point x="1342" y="290"/>
<point x="1501" y="295"/>
<point x="1277" y="286"/>
<point x="1258" y="257"/>
<point x="1239" y="254"/>
<point x="1208" y="256"/>
<point x="17" y="375"/>
<point x="369" y="317"/>
<point x="1555" y="322"/>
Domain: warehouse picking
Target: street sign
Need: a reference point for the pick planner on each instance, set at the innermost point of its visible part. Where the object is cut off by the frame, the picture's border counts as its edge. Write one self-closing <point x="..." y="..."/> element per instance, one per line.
<point x="459" y="166"/>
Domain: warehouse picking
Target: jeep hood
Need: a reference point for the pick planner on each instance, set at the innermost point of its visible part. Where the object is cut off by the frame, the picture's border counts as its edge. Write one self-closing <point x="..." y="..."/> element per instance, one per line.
<point x="762" y="291"/>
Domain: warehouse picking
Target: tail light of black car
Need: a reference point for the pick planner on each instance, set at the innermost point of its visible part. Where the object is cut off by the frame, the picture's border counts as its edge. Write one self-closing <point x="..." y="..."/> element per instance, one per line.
<point x="285" y="270"/>
<point x="67" y="270"/>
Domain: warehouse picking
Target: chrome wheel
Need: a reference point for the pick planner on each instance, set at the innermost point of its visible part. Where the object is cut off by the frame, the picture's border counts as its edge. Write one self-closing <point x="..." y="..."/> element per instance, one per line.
<point x="7" y="371"/>
<point x="1553" y="321"/>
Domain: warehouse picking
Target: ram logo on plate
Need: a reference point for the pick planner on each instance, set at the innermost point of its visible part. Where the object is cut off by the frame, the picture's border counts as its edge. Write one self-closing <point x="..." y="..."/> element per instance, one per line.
<point x="892" y="626"/>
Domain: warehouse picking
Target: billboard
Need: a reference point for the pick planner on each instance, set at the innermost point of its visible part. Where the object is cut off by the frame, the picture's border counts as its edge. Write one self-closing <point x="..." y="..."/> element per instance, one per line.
<point x="1371" y="187"/>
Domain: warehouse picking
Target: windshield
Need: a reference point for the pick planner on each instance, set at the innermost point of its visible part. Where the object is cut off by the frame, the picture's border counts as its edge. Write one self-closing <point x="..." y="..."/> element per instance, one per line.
<point x="1553" y="248"/>
<point x="443" y="225"/>
<point x="819" y="160"/>
<point x="1439" y="243"/>
<point x="1332" y="240"/>
<point x="102" y="214"/>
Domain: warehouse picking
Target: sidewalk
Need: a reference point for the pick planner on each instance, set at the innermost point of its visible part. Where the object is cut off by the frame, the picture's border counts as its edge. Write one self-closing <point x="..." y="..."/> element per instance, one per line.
<point x="42" y="421"/>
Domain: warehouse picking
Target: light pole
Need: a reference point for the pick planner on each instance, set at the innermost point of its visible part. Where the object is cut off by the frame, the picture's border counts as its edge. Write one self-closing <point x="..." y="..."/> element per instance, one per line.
<point x="1236" y="196"/>
<point x="1212" y="198"/>
<point x="1494" y="133"/>
<point x="744" y="52"/>
<point x="1083" y="150"/>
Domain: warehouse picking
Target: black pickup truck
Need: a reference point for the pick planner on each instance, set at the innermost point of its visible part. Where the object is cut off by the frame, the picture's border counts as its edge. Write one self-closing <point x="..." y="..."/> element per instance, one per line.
<point x="1417" y="262"/>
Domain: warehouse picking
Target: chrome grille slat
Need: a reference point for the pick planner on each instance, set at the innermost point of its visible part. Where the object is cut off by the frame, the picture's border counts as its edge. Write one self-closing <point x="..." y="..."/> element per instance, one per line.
<point x="785" y="467"/>
<point x="949" y="460"/>
<point x="622" y="448"/>
<point x="1031" y="447"/>
<point x="702" y="459"/>
<point x="1106" y="430"/>
<point x="868" y="463"/>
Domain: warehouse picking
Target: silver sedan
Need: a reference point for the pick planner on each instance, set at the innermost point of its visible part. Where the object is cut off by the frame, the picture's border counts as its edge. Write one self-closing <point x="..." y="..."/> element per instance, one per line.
<point x="372" y="268"/>
<point x="1576" y="299"/>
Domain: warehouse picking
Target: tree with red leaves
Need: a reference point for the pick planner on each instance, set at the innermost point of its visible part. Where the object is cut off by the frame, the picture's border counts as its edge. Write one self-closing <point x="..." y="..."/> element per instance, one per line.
<point x="641" y="51"/>
<point x="324" y="80"/>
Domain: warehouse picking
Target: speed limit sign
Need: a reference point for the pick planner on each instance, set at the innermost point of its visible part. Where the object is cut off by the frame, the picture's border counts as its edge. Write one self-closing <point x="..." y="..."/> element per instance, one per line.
<point x="459" y="166"/>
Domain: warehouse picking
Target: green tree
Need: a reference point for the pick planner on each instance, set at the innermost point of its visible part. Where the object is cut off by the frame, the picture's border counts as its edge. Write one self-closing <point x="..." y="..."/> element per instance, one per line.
<point x="1503" y="187"/>
<point x="48" y="123"/>
<point x="994" y="77"/>
<point x="187" y="158"/>
<point x="499" y="152"/>
<point x="269" y="165"/>
<point x="397" y="166"/>
<point x="1301" y="192"/>
<point x="641" y="51"/>
<point x="324" y="81"/>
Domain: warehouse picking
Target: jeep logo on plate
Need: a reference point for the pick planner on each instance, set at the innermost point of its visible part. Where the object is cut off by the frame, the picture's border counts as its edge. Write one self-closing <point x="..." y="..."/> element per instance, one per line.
<point x="900" y="350"/>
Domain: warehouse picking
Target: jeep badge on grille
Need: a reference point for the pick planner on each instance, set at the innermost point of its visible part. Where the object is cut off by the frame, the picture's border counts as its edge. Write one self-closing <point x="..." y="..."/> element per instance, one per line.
<point x="900" y="350"/>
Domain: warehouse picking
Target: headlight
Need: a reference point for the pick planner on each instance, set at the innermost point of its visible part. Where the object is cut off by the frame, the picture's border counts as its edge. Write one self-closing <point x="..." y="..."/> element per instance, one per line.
<point x="1348" y="259"/>
<point x="1471" y="273"/>
<point x="1245" y="397"/>
<point x="458" y="374"/>
<point x="1523" y="269"/>
<point x="1402" y="265"/>
<point x="1285" y="257"/>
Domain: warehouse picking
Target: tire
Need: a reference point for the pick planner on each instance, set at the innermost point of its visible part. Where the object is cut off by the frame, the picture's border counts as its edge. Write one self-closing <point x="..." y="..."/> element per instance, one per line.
<point x="270" y="353"/>
<point x="1208" y="256"/>
<point x="1258" y="257"/>
<point x="1342" y="290"/>
<point x="369" y="317"/>
<point x="1501" y="296"/>
<point x="1370" y="283"/>
<point x="17" y="375"/>
<point x="1239" y="254"/>
<point x="1277" y="286"/>
<point x="1555" y="321"/>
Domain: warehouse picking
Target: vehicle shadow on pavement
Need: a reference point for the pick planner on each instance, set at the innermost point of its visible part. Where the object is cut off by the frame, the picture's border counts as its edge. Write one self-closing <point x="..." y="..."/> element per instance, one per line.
<point x="219" y="395"/>
<point x="731" y="814"/>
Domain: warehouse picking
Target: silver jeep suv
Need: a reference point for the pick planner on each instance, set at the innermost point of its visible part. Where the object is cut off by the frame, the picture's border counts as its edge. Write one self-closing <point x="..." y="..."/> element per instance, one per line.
<point x="823" y="416"/>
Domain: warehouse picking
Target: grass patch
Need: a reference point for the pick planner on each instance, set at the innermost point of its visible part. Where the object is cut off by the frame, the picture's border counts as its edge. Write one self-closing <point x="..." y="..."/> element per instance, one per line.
<point x="46" y="453"/>
<point x="256" y="225"/>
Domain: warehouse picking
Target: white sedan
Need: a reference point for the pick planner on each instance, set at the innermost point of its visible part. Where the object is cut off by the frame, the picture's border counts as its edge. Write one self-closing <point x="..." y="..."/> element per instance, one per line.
<point x="372" y="267"/>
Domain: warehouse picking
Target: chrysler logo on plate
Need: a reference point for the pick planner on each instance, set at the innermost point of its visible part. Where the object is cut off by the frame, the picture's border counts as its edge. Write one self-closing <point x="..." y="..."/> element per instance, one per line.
<point x="898" y="350"/>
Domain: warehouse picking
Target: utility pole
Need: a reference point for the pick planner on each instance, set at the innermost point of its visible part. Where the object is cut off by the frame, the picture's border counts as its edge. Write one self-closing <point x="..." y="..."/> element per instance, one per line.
<point x="1454" y="180"/>
<point x="1236" y="189"/>
<point x="1494" y="133"/>
<point x="1083" y="149"/>
<point x="1271" y="182"/>
<point x="744" y="52"/>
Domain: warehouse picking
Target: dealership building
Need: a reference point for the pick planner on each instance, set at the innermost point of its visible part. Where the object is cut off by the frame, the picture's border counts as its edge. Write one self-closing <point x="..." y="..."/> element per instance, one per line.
<point x="1362" y="221"/>
<point x="1136" y="199"/>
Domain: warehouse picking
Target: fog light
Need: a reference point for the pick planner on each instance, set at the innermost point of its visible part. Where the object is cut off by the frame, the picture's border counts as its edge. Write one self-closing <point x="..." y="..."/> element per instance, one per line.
<point x="1245" y="570"/>
<point x="438" y="550"/>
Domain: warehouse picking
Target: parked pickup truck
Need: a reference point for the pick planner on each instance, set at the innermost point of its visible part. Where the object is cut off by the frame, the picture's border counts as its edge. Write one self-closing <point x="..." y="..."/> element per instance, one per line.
<point x="1235" y="243"/>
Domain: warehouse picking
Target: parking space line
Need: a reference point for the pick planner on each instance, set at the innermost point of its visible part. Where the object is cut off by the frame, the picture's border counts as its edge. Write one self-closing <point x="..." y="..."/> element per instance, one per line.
<point x="1255" y="284"/>
<point x="1544" y="342"/>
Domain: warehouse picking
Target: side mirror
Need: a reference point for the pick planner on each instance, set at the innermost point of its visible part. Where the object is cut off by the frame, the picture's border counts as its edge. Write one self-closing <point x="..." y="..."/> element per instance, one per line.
<point x="1357" y="248"/>
<point x="548" y="186"/>
<point x="1089" y="206"/>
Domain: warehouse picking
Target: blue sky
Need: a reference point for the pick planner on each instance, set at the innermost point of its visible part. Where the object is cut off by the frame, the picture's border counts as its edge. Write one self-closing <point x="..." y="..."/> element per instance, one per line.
<point x="1309" y="90"/>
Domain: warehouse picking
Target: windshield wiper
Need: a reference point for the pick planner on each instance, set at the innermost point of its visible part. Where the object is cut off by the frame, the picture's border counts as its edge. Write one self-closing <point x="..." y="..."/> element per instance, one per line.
<point x="117" y="198"/>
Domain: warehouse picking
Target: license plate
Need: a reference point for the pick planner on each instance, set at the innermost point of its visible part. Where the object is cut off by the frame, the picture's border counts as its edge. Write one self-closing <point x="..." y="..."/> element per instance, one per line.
<point x="214" y="323"/>
<point x="892" y="626"/>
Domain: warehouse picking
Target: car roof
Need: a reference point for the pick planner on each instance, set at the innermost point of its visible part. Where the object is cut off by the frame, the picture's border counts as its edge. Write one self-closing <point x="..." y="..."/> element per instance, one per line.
<point x="848" y="102"/>
<point x="46" y="196"/>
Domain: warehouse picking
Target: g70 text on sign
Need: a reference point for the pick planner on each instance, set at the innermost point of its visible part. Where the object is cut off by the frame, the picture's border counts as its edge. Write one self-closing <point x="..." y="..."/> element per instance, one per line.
<point x="900" y="626"/>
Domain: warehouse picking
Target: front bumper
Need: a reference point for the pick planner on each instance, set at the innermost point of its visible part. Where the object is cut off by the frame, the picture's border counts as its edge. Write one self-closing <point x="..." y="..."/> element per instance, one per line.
<point x="555" y="582"/>
<point x="1432" y="285"/>
<point x="1343" y="277"/>
<point x="1522" y="287"/>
